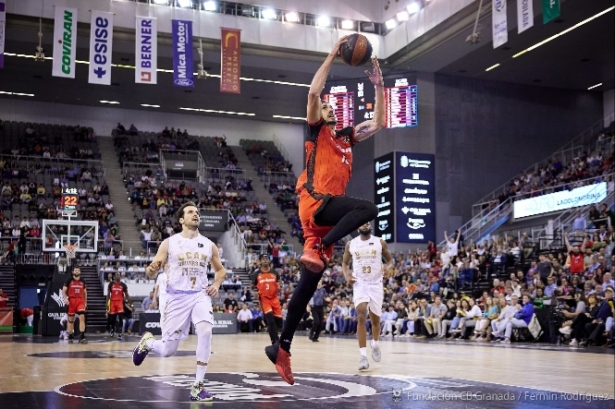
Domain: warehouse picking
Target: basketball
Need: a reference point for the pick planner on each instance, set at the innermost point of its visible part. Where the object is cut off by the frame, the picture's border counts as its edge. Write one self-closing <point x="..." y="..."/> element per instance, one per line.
<point x="357" y="50"/>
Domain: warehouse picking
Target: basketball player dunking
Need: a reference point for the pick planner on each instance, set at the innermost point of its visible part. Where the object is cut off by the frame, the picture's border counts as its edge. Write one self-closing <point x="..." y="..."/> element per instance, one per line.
<point x="367" y="252"/>
<point x="326" y="214"/>
<point x="188" y="295"/>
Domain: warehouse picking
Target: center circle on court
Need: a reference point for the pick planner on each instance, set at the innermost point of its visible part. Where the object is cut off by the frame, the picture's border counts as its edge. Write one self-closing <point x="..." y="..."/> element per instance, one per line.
<point x="236" y="387"/>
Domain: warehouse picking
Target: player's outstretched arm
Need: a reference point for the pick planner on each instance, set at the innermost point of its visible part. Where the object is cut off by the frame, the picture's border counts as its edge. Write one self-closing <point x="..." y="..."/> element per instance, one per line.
<point x="370" y="127"/>
<point x="318" y="83"/>
<point x="346" y="265"/>
<point x="159" y="261"/>
<point x="220" y="271"/>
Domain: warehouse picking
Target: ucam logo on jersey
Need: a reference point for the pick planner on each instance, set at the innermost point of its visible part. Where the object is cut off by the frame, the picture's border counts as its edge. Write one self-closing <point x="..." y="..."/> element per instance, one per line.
<point x="64" y="42"/>
<point x="146" y="50"/>
<point x="183" y="68"/>
<point x="101" y="41"/>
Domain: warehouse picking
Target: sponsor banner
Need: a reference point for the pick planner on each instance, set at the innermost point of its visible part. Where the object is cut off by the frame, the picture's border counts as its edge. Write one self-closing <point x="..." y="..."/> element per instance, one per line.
<point x="500" y="23"/>
<point x="2" y="31"/>
<point x="558" y="201"/>
<point x="150" y="322"/>
<point x="230" y="69"/>
<point x="225" y="324"/>
<point x="550" y="10"/>
<point x="183" y="65"/>
<point x="525" y="15"/>
<point x="64" y="42"/>
<point x="212" y="220"/>
<point x="101" y="42"/>
<point x="415" y="197"/>
<point x="146" y="50"/>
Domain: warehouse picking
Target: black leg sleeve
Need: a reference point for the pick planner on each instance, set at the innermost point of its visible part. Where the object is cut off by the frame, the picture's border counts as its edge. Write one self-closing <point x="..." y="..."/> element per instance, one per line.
<point x="271" y="327"/>
<point x="346" y="214"/>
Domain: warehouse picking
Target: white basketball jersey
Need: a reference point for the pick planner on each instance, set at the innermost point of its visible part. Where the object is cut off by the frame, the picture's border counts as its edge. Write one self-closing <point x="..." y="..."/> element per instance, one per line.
<point x="161" y="282"/>
<point x="188" y="260"/>
<point x="366" y="259"/>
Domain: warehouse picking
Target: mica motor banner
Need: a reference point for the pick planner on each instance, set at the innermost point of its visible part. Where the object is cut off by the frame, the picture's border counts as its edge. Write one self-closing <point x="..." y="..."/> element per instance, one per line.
<point x="230" y="61"/>
<point x="64" y="42"/>
<point x="183" y="65"/>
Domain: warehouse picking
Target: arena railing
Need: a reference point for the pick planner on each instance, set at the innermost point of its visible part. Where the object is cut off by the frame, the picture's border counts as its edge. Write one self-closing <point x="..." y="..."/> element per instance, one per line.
<point x="220" y="174"/>
<point x="583" y="142"/>
<point x="64" y="162"/>
<point x="140" y="169"/>
<point x="278" y="177"/>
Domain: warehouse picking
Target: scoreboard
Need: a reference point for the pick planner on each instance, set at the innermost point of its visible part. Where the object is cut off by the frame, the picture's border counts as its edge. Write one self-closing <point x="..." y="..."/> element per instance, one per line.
<point x="401" y="105"/>
<point x="69" y="200"/>
<point x="353" y="102"/>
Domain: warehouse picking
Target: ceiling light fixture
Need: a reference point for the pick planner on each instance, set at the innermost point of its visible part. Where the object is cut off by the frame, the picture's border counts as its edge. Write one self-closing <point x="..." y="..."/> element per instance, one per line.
<point x="214" y="111"/>
<point x="403" y="16"/>
<point x="291" y="17"/>
<point x="493" y="67"/>
<point x="150" y="106"/>
<point x="19" y="94"/>
<point x="210" y="6"/>
<point x="104" y="101"/>
<point x="594" y="86"/>
<point x="553" y="37"/>
<point x="269" y="14"/>
<point x="413" y="8"/>
<point x="347" y="24"/>
<point x="391" y="24"/>
<point x="323" y="21"/>
<point x="289" y="117"/>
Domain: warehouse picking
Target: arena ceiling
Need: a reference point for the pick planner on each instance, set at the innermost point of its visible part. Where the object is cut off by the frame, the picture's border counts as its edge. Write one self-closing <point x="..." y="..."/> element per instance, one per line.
<point x="577" y="60"/>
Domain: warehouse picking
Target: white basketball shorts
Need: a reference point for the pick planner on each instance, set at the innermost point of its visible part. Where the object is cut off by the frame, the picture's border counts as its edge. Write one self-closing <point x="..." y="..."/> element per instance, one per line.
<point x="182" y="309"/>
<point x="371" y="293"/>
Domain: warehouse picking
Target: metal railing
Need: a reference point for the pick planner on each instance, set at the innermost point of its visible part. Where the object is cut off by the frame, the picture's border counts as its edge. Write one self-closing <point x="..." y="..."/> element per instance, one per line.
<point x="60" y="163"/>
<point x="586" y="141"/>
<point x="475" y="227"/>
<point x="138" y="169"/>
<point x="278" y="177"/>
<point x="220" y="174"/>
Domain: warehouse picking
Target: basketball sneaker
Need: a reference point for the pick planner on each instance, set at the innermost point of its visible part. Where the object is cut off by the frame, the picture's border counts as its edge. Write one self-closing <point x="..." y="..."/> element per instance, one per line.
<point x="314" y="257"/>
<point x="198" y="392"/>
<point x="141" y="350"/>
<point x="376" y="353"/>
<point x="281" y="360"/>
<point x="70" y="338"/>
<point x="363" y="364"/>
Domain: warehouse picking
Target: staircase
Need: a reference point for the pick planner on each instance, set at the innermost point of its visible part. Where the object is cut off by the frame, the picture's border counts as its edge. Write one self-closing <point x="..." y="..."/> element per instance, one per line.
<point x="7" y="283"/>
<point x="119" y="197"/>
<point x="95" y="315"/>
<point x="484" y="223"/>
<point x="274" y="213"/>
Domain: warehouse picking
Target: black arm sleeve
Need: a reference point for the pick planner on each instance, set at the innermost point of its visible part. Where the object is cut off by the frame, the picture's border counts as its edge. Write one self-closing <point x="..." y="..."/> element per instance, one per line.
<point x="312" y="131"/>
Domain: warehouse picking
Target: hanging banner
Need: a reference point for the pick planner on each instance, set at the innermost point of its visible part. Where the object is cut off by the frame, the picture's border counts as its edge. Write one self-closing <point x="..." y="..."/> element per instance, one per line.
<point x="183" y="65"/>
<point x="500" y="23"/>
<point x="101" y="41"/>
<point x="64" y="42"/>
<point x="525" y="15"/>
<point x="550" y="10"/>
<point x="2" y="31"/>
<point x="146" y="51"/>
<point x="230" y="69"/>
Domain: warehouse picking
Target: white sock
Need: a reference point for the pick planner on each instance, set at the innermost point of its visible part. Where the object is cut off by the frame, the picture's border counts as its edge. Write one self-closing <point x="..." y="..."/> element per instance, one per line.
<point x="150" y="343"/>
<point x="363" y="351"/>
<point x="374" y="343"/>
<point x="200" y="372"/>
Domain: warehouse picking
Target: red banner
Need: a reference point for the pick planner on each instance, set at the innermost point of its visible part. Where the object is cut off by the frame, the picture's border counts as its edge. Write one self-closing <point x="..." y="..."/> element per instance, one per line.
<point x="230" y="61"/>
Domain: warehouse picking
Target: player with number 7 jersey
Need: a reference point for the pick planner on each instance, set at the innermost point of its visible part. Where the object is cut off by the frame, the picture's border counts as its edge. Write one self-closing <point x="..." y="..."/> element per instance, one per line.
<point x="266" y="281"/>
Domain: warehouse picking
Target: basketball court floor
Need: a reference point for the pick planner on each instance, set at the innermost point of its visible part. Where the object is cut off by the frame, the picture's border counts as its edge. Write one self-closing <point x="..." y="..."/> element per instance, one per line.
<point x="46" y="373"/>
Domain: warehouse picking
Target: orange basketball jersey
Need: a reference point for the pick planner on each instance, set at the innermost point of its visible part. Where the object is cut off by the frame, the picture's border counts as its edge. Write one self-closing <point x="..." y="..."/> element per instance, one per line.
<point x="267" y="284"/>
<point x="328" y="164"/>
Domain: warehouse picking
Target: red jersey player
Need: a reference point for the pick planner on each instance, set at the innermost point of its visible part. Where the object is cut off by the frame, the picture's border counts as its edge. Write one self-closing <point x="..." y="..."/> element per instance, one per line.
<point x="115" y="300"/>
<point x="266" y="281"/>
<point x="76" y="296"/>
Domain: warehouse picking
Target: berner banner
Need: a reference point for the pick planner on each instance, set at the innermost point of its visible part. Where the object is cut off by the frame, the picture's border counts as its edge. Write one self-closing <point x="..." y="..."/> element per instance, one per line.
<point x="146" y="51"/>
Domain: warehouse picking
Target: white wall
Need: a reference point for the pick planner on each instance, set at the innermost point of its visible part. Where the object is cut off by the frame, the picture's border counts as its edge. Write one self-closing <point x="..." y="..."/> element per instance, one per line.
<point x="104" y="119"/>
<point x="608" y="106"/>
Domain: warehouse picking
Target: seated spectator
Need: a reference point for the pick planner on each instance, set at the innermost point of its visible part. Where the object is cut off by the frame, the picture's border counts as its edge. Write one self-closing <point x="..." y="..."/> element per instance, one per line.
<point x="521" y="319"/>
<point x="482" y="330"/>
<point x="244" y="319"/>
